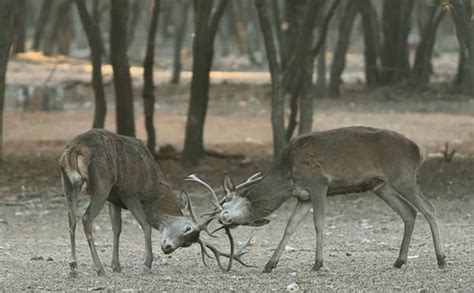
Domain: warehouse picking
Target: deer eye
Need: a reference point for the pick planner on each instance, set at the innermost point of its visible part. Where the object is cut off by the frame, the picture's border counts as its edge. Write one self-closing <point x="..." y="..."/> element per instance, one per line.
<point x="187" y="229"/>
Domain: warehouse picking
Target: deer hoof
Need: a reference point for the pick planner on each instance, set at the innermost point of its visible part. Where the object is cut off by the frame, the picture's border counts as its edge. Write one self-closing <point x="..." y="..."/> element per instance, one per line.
<point x="441" y="261"/>
<point x="269" y="267"/>
<point x="147" y="270"/>
<point x="116" y="269"/>
<point x="399" y="263"/>
<point x="317" y="266"/>
<point x="73" y="274"/>
<point x="73" y="267"/>
<point x="100" y="272"/>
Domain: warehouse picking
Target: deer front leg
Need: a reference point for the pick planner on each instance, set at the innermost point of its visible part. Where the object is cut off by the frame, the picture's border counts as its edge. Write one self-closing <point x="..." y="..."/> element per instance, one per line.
<point x="136" y="208"/>
<point x="115" y="212"/>
<point x="318" y="199"/>
<point x="298" y="215"/>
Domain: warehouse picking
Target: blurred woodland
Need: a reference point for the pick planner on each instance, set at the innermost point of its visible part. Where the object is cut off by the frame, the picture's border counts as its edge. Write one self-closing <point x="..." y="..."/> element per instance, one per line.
<point x="302" y="44"/>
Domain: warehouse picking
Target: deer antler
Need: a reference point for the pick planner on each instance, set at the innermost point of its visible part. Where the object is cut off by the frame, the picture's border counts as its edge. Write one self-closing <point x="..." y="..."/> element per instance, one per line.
<point x="218" y="208"/>
<point x="251" y="180"/>
<point x="202" y="226"/>
<point x="196" y="179"/>
<point x="217" y="254"/>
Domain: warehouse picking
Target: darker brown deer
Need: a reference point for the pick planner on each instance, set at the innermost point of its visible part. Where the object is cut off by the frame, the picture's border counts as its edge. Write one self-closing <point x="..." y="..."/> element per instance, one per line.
<point x="339" y="161"/>
<point x="121" y="170"/>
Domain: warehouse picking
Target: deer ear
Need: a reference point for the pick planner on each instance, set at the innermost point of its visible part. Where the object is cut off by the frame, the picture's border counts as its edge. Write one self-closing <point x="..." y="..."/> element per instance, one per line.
<point x="229" y="186"/>
<point x="182" y="200"/>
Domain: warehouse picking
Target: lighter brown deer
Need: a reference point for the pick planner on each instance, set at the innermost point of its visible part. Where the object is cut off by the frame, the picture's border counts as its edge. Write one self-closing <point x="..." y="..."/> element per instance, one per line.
<point x="321" y="164"/>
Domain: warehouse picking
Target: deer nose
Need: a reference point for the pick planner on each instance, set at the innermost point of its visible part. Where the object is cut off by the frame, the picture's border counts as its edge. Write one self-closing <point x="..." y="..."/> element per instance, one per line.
<point x="167" y="247"/>
<point x="224" y="218"/>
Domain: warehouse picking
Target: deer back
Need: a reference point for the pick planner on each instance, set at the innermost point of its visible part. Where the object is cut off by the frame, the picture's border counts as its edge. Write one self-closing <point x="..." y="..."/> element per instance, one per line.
<point x="352" y="155"/>
<point x="123" y="165"/>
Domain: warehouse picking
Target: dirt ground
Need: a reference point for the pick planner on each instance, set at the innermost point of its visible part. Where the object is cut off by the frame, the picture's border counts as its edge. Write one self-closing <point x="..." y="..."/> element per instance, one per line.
<point x="362" y="235"/>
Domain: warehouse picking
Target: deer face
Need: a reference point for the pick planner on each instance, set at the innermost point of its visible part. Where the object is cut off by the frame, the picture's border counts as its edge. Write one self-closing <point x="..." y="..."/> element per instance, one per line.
<point x="181" y="232"/>
<point x="235" y="212"/>
<point x="236" y="209"/>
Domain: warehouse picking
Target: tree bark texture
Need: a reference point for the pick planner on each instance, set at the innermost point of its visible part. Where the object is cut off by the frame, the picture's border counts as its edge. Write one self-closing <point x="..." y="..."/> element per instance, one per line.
<point x="396" y="25"/>
<point x="278" y="119"/>
<point x="7" y="13"/>
<point x="206" y="24"/>
<point x="94" y="39"/>
<point x="148" y="84"/>
<point x="121" y="69"/>
<point x="422" y="67"/>
<point x="343" y="41"/>
<point x="461" y="12"/>
<point x="43" y="19"/>
<point x="372" y="42"/>
<point x="20" y="27"/>
<point x="181" y="24"/>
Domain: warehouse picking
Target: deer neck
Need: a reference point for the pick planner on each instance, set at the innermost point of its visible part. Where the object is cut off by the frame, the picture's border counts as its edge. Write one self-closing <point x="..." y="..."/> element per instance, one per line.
<point x="267" y="196"/>
<point x="162" y="209"/>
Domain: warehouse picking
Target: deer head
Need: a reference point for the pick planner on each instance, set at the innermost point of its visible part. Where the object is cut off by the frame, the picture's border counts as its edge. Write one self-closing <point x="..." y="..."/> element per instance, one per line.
<point x="212" y="215"/>
<point x="182" y="231"/>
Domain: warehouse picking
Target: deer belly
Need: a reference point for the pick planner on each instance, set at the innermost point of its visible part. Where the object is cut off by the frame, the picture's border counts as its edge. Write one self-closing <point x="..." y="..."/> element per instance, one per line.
<point x="354" y="186"/>
<point x="115" y="199"/>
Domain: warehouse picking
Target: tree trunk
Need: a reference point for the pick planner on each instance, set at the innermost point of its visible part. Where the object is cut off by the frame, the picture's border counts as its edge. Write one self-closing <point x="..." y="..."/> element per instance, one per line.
<point x="41" y="23"/>
<point x="7" y="13"/>
<point x="423" y="67"/>
<point x="206" y="24"/>
<point x="461" y="13"/>
<point x="65" y="33"/>
<point x="343" y="41"/>
<point x="136" y="11"/>
<point x="54" y="26"/>
<point x="278" y="119"/>
<point x="148" y="84"/>
<point x="51" y="28"/>
<point x="94" y="39"/>
<point x="294" y="10"/>
<point x="99" y="7"/>
<point x="121" y="69"/>
<point x="253" y="41"/>
<point x="306" y="97"/>
<point x="182" y="21"/>
<point x="320" y="47"/>
<point x="372" y="42"/>
<point x="20" y="27"/>
<point x="396" y="27"/>
<point x="320" y="87"/>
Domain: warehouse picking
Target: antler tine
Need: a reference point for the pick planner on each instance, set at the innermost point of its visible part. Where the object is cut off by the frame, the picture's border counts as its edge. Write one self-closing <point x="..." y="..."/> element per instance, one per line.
<point x="204" y="225"/>
<point x="204" y="253"/>
<point x="252" y="179"/>
<point x="213" y="213"/>
<point x="217" y="229"/>
<point x="236" y="256"/>
<point x="196" y="179"/>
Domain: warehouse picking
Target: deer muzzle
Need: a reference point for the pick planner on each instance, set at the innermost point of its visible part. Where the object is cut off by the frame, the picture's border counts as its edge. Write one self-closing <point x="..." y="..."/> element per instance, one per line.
<point x="225" y="218"/>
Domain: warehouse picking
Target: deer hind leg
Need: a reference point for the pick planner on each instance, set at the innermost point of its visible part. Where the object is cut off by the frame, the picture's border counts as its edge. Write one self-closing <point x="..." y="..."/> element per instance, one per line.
<point x="414" y="195"/>
<point x="70" y="192"/>
<point x="96" y="204"/>
<point x="115" y="212"/>
<point x="99" y="192"/>
<point x="136" y="208"/>
<point x="298" y="215"/>
<point x="318" y="198"/>
<point x="408" y="214"/>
